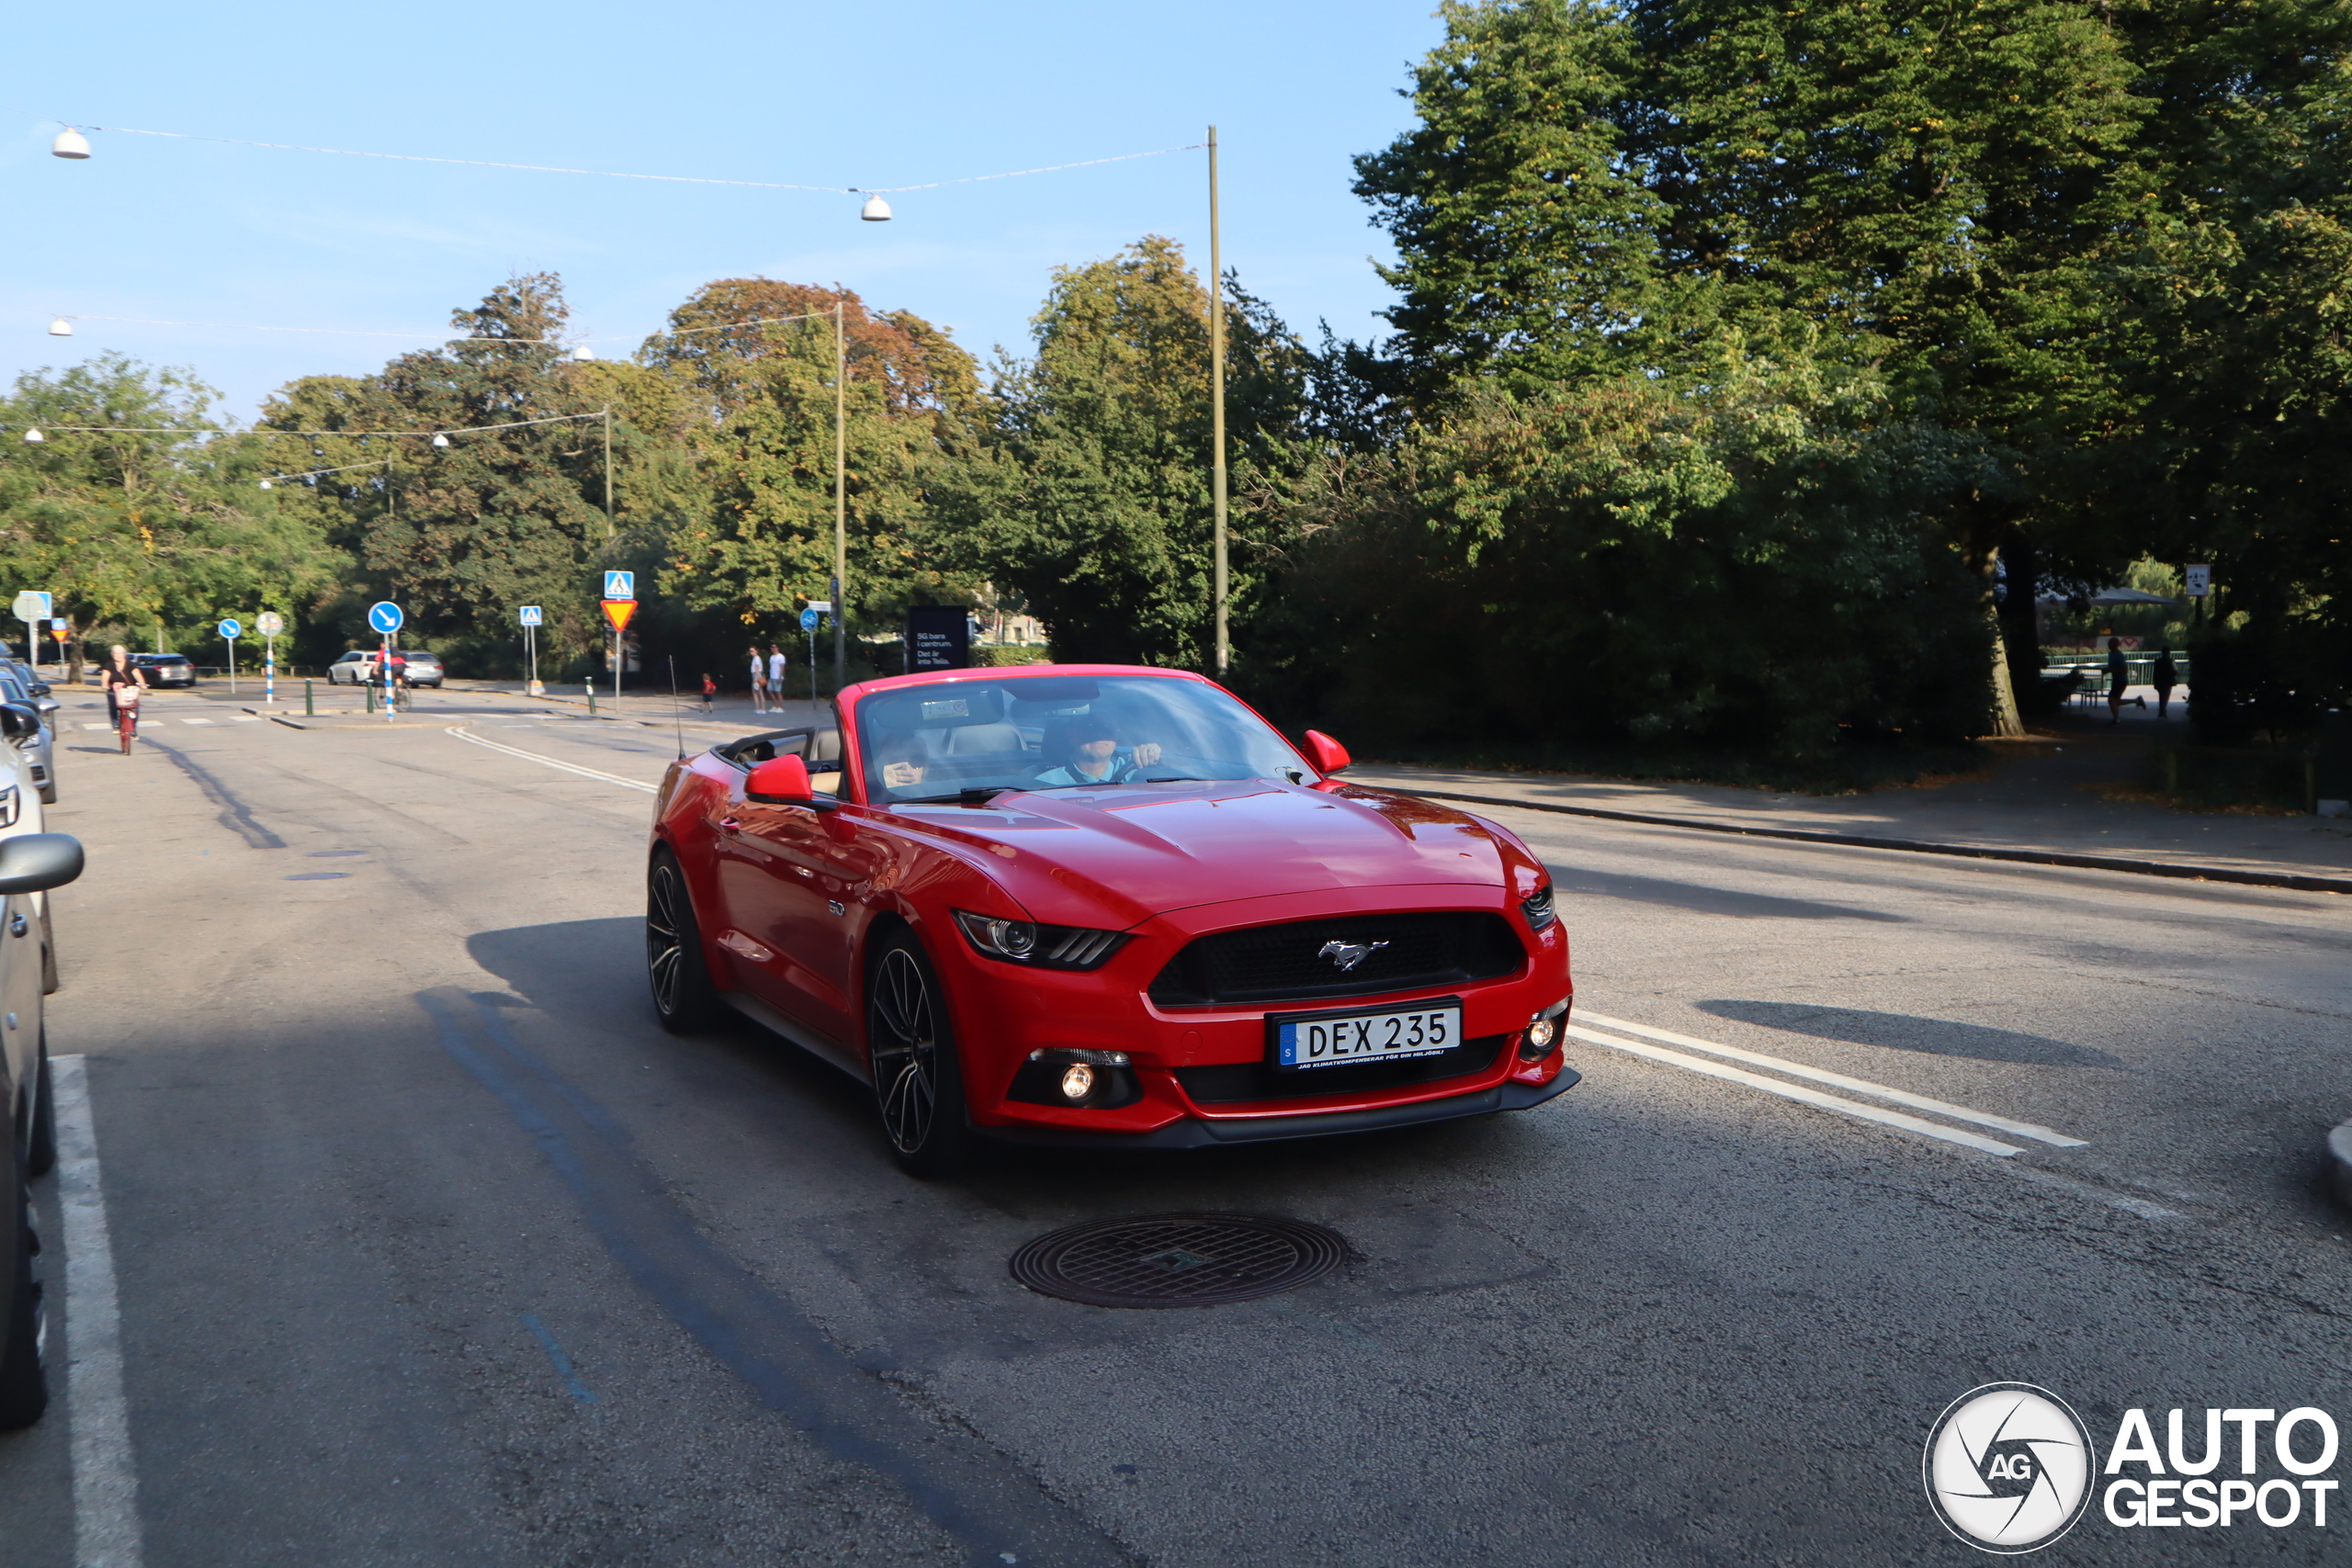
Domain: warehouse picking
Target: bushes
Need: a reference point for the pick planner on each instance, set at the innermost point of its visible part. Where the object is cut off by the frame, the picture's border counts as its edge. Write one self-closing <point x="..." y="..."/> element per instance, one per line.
<point x="1755" y="563"/>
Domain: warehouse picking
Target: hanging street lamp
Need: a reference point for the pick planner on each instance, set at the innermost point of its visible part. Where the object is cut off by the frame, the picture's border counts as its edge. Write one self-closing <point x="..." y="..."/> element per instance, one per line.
<point x="875" y="210"/>
<point x="70" y="144"/>
<point x="60" y="327"/>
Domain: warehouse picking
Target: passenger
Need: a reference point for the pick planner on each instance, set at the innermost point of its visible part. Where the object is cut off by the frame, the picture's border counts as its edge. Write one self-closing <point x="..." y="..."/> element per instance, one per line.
<point x="904" y="763"/>
<point x="1096" y="756"/>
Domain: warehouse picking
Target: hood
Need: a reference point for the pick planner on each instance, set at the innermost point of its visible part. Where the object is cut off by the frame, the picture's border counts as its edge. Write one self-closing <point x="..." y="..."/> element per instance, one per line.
<point x="1113" y="857"/>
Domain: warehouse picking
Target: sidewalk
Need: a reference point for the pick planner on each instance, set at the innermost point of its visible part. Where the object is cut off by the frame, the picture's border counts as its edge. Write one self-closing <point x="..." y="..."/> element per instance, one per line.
<point x="2040" y="801"/>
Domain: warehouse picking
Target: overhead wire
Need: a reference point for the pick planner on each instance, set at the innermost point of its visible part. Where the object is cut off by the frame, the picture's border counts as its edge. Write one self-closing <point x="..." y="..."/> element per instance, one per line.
<point x="621" y="175"/>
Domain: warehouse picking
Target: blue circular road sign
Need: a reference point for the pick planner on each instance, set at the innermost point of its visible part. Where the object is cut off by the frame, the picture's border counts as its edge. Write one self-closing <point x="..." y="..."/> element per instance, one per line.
<point x="230" y="628"/>
<point x="807" y="620"/>
<point x="385" y="617"/>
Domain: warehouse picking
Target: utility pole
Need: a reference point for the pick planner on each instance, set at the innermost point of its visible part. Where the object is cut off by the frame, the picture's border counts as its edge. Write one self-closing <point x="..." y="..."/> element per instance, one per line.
<point x="841" y="499"/>
<point x="608" y="472"/>
<point x="1216" y="402"/>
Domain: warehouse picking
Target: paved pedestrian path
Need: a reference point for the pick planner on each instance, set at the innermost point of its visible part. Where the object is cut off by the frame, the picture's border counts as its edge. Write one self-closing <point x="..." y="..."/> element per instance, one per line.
<point x="2052" y="797"/>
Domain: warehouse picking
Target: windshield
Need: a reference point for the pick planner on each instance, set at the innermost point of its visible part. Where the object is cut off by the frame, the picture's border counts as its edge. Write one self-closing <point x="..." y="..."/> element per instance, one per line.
<point x="934" y="742"/>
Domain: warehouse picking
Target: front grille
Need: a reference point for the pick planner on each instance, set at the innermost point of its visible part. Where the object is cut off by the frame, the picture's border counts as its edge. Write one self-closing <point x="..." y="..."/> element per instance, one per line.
<point x="1236" y="1082"/>
<point x="1288" y="962"/>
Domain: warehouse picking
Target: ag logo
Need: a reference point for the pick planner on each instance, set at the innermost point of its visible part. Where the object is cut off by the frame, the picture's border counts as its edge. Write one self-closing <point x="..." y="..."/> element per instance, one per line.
<point x="2008" y="1468"/>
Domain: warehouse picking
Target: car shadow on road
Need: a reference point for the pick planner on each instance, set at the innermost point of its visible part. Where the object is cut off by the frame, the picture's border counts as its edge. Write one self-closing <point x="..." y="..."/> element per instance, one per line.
<point x="1902" y="1031"/>
<point x="584" y="973"/>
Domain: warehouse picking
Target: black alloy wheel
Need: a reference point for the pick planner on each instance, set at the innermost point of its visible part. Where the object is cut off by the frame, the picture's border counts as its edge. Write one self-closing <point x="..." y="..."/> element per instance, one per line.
<point x="918" y="1082"/>
<point x="23" y="1384"/>
<point x="682" y="994"/>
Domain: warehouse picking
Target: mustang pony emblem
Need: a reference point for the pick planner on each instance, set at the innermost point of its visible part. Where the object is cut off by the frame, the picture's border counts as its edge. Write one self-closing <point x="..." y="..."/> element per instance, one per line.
<point x="1348" y="955"/>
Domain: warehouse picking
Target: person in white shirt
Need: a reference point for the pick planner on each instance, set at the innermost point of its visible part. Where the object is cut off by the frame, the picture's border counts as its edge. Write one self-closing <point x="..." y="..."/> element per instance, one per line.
<point x="776" y="674"/>
<point x="759" y="680"/>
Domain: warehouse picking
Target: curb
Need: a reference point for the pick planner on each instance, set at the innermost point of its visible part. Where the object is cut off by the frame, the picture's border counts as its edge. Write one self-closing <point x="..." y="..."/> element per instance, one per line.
<point x="2294" y="880"/>
<point x="2339" y="1161"/>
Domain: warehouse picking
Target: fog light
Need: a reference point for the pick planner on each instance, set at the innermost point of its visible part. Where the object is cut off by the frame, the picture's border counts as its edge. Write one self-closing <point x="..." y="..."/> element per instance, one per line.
<point x="1078" y="1082"/>
<point x="1543" y="1036"/>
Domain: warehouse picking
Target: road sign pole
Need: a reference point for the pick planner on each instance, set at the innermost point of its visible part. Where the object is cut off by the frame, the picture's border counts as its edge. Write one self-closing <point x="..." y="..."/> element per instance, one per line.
<point x="269" y="671"/>
<point x="232" y="665"/>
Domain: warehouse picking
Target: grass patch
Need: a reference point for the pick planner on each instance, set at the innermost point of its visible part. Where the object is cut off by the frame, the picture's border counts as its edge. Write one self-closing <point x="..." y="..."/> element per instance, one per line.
<point x="1848" y="770"/>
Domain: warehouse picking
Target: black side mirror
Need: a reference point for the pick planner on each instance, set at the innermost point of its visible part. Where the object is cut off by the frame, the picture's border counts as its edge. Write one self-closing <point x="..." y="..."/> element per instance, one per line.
<point x="19" y="721"/>
<point x="35" y="863"/>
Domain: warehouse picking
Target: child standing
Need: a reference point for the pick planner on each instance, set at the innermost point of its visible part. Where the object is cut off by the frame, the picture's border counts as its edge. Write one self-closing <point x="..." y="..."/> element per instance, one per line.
<point x="709" y="694"/>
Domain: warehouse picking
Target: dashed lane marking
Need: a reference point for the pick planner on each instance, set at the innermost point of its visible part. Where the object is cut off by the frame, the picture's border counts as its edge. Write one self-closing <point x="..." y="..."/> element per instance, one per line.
<point x="1839" y="1080"/>
<point x="1813" y="1097"/>
<point x="462" y="734"/>
<point x="195" y="721"/>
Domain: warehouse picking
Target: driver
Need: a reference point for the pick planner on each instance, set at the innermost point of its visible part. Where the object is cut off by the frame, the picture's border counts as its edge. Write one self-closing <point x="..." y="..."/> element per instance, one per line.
<point x="1095" y="757"/>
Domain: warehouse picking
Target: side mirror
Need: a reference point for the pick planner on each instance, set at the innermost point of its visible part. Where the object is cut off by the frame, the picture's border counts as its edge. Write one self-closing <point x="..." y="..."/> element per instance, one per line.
<point x="781" y="781"/>
<point x="45" y="704"/>
<point x="35" y="863"/>
<point x="19" y="721"/>
<point x="1327" y="755"/>
<point x="41" y="688"/>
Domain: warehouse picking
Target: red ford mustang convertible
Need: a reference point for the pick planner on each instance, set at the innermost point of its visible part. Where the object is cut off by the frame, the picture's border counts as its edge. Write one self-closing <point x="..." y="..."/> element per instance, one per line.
<point x="1102" y="906"/>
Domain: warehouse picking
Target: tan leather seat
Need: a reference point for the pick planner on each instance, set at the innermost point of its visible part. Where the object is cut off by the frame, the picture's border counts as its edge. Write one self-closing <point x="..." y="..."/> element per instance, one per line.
<point x="972" y="739"/>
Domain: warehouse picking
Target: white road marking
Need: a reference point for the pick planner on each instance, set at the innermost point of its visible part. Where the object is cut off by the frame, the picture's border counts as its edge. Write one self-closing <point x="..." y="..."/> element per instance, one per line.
<point x="98" y="727"/>
<point x="1859" y="1086"/>
<point x="106" y="1479"/>
<point x="460" y="732"/>
<point x="1798" y="1092"/>
<point x="195" y="721"/>
<point x="247" y="718"/>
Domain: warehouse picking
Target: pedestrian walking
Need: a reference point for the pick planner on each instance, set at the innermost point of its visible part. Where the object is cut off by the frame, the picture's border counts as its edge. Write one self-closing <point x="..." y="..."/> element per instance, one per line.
<point x="123" y="681"/>
<point x="776" y="674"/>
<point x="2118" y="675"/>
<point x="759" y="680"/>
<point x="709" y="694"/>
<point x="2168" y="677"/>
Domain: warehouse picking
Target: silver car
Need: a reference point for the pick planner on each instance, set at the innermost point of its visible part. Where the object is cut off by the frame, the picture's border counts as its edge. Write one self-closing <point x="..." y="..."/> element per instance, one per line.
<point x="40" y="747"/>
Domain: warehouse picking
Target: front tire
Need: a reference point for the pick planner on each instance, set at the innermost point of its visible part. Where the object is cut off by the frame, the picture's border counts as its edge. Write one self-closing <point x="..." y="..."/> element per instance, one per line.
<point x="918" y="1080"/>
<point x="40" y="1149"/>
<point x="23" y="1384"/>
<point x="684" y="997"/>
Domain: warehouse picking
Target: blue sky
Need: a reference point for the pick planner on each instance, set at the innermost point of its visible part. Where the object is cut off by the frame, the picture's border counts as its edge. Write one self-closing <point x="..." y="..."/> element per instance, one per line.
<point x="877" y="96"/>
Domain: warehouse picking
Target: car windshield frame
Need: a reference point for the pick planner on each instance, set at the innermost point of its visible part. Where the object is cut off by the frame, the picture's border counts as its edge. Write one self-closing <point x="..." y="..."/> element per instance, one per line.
<point x="962" y="742"/>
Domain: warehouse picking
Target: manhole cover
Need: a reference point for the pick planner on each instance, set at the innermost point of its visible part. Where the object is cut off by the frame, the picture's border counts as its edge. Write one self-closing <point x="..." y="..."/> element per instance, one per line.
<point x="1177" y="1260"/>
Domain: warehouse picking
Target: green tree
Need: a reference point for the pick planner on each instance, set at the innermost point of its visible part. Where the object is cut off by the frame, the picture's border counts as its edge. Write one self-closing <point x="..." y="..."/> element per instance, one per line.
<point x="1090" y="495"/>
<point x="462" y="533"/>
<point x="159" y="519"/>
<point x="753" y="360"/>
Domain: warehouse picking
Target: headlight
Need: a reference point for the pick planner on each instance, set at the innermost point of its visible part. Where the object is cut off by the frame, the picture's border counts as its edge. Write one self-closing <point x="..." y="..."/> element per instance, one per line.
<point x="1075" y="1079"/>
<point x="1040" y="947"/>
<point x="1543" y="1036"/>
<point x="1537" y="907"/>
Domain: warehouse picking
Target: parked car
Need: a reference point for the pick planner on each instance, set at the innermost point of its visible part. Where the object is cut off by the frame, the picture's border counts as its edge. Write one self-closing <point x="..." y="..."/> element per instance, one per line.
<point x="30" y="864"/>
<point x="39" y="748"/>
<point x="165" y="670"/>
<point x="357" y="668"/>
<point x="1103" y="906"/>
<point x="31" y="673"/>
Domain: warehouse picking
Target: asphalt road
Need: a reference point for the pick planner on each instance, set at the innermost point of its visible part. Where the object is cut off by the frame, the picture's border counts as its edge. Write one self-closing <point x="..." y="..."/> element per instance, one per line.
<point x="430" y="1248"/>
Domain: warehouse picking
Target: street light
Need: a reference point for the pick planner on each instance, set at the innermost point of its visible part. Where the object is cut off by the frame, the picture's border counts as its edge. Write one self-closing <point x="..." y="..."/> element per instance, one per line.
<point x="580" y="354"/>
<point x="35" y="436"/>
<point x="70" y="144"/>
<point x="61" y="328"/>
<point x="875" y="210"/>
<point x="440" y="440"/>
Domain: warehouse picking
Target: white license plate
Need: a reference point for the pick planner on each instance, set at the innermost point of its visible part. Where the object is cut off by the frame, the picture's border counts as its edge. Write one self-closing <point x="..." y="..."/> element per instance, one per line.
<point x="1392" y="1034"/>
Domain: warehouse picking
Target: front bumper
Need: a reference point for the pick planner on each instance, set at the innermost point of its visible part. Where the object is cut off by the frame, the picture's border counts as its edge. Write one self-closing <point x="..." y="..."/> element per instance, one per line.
<point x="1004" y="1013"/>
<point x="1206" y="1133"/>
